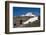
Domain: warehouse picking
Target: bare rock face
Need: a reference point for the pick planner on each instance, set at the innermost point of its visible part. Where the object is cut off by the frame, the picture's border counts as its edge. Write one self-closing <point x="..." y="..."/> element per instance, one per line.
<point x="19" y="20"/>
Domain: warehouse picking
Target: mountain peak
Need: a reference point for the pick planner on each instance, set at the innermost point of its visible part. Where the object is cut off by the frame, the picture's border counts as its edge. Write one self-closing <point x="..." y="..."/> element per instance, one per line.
<point x="28" y="14"/>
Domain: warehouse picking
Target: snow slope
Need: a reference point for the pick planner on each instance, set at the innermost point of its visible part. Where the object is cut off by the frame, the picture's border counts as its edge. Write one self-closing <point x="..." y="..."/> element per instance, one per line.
<point x="31" y="20"/>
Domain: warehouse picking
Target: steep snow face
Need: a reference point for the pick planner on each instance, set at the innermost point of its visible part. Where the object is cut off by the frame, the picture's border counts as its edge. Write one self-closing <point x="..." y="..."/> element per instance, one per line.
<point x="30" y="20"/>
<point x="28" y="14"/>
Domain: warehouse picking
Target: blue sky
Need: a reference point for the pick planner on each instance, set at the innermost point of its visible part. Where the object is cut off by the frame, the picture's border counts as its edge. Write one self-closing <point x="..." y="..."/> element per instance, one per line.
<point x="17" y="11"/>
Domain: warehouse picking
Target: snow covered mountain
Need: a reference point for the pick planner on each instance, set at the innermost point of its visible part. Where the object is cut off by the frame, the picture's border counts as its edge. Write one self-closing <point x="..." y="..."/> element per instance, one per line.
<point x="29" y="14"/>
<point x="31" y="19"/>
